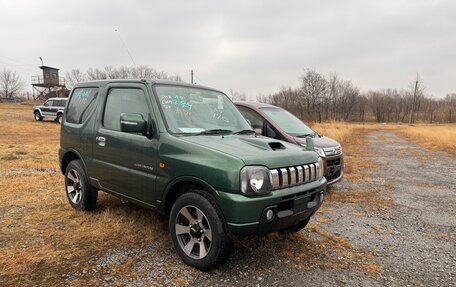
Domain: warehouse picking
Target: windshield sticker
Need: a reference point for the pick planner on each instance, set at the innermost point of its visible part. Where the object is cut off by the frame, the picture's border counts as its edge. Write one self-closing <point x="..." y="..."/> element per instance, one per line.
<point x="191" y="130"/>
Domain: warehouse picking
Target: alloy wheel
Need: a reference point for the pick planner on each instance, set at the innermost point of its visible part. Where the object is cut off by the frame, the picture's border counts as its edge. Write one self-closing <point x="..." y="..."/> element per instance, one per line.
<point x="74" y="187"/>
<point x="193" y="232"/>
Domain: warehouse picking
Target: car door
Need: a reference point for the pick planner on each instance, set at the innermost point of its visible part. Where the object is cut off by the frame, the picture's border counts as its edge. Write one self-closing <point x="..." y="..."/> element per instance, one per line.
<point x="56" y="105"/>
<point x="126" y="163"/>
<point x="46" y="109"/>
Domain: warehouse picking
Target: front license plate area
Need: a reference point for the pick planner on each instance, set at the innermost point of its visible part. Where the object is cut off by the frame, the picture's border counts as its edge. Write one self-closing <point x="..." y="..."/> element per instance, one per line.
<point x="300" y="204"/>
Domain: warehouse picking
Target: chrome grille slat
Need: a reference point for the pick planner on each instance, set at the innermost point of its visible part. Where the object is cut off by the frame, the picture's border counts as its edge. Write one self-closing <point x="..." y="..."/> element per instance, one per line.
<point x="307" y="175"/>
<point x="275" y="178"/>
<point x="292" y="175"/>
<point x="284" y="173"/>
<point x="300" y="174"/>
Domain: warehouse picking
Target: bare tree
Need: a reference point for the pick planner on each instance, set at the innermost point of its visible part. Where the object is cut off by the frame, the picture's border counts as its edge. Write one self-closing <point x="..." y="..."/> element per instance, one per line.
<point x="313" y="88"/>
<point x="11" y="84"/>
<point x="237" y="96"/>
<point x="418" y="90"/>
<point x="73" y="77"/>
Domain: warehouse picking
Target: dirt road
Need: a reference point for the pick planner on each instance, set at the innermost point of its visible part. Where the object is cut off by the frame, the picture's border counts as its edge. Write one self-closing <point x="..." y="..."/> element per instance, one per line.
<point x="403" y="234"/>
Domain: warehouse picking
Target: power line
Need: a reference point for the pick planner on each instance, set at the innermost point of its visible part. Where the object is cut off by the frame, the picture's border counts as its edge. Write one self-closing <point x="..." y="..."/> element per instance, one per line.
<point x="125" y="46"/>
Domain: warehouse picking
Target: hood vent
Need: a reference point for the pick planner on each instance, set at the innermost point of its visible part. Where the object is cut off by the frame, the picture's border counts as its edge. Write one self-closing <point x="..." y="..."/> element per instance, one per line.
<point x="276" y="145"/>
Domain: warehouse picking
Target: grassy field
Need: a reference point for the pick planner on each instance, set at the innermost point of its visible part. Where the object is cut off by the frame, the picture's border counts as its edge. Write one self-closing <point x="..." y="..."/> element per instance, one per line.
<point x="41" y="236"/>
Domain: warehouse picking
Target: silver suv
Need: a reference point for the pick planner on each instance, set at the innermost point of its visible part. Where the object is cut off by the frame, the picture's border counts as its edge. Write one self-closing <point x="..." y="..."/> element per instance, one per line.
<point x="53" y="108"/>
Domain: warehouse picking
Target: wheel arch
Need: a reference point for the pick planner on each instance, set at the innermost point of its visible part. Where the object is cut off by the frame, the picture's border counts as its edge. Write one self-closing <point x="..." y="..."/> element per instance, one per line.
<point x="69" y="156"/>
<point x="38" y="110"/>
<point x="181" y="185"/>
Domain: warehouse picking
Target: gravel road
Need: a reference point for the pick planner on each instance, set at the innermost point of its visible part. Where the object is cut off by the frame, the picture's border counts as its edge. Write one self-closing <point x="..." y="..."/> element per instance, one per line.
<point x="412" y="241"/>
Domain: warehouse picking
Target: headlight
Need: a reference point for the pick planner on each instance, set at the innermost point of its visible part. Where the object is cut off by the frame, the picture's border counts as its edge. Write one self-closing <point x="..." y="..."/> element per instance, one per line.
<point x="321" y="168"/>
<point x="320" y="151"/>
<point x="256" y="180"/>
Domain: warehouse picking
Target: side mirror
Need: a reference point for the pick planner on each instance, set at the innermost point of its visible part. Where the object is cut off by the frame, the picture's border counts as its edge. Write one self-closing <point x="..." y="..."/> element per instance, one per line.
<point x="258" y="131"/>
<point x="133" y="123"/>
<point x="310" y="144"/>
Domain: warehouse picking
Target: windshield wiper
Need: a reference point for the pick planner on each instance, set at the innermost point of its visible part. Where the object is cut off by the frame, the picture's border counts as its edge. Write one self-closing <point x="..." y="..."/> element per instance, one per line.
<point x="214" y="132"/>
<point x="244" y="132"/>
<point x="306" y="135"/>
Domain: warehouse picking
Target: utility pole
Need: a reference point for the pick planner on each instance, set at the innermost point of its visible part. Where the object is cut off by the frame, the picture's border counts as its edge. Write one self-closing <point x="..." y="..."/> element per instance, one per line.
<point x="412" y="120"/>
<point x="192" y="75"/>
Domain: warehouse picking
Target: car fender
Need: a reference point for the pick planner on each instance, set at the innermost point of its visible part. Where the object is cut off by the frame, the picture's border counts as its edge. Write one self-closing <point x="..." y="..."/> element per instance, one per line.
<point x="39" y="110"/>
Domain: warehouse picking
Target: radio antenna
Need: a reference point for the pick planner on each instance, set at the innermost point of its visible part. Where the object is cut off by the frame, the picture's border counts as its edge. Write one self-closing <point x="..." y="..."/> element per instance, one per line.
<point x="125" y="46"/>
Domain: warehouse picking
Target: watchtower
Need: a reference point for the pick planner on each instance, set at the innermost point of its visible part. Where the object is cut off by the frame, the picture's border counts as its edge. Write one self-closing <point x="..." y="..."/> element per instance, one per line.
<point x="49" y="84"/>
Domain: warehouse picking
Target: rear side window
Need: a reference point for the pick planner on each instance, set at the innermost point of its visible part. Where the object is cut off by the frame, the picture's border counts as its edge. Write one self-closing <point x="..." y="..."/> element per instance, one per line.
<point x="124" y="100"/>
<point x="81" y="104"/>
<point x="57" y="103"/>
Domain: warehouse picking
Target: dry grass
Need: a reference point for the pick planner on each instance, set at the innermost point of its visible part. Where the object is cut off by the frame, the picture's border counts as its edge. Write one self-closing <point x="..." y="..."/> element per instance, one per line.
<point x="435" y="137"/>
<point x="41" y="235"/>
<point x="352" y="138"/>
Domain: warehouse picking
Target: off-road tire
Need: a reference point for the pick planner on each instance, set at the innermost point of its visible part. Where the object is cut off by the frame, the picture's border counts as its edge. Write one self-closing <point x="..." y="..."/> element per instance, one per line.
<point x="222" y="241"/>
<point x="297" y="227"/>
<point x="59" y="118"/>
<point x="87" y="198"/>
<point x="37" y="116"/>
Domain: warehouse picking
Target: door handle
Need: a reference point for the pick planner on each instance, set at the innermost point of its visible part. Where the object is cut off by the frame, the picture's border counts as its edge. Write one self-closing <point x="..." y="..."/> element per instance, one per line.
<point x="101" y="141"/>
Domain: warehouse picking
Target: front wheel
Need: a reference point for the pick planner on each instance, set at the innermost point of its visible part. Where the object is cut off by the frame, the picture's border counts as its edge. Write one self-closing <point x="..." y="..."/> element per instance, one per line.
<point x="199" y="232"/>
<point x="37" y="116"/>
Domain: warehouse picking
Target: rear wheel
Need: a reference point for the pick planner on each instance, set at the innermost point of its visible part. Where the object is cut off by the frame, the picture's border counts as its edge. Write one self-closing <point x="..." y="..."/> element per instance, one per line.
<point x="81" y="195"/>
<point x="37" y="116"/>
<point x="199" y="232"/>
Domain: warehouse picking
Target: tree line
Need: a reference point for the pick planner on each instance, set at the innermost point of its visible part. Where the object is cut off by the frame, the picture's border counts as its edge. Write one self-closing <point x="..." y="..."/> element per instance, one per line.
<point x="331" y="98"/>
<point x="124" y="72"/>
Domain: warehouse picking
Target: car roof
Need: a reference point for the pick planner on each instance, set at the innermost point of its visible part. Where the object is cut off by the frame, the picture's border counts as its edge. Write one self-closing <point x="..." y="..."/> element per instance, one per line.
<point x="252" y="104"/>
<point x="57" y="99"/>
<point x="142" y="81"/>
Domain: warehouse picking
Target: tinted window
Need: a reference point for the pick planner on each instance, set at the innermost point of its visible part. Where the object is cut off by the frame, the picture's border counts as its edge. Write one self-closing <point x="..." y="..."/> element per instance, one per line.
<point x="257" y="122"/>
<point x="82" y="102"/>
<point x="57" y="103"/>
<point x="124" y="100"/>
<point x="288" y="122"/>
<point x="48" y="104"/>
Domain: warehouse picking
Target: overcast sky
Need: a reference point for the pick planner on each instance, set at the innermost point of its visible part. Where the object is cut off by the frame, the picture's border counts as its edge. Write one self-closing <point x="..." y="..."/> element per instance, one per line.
<point x="249" y="46"/>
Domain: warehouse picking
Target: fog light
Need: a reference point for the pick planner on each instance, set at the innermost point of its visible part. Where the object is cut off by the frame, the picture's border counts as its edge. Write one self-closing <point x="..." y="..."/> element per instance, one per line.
<point x="322" y="195"/>
<point x="269" y="214"/>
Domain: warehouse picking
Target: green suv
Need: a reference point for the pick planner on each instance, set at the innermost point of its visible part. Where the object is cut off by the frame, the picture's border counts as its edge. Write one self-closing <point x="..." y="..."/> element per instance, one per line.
<point x="186" y="151"/>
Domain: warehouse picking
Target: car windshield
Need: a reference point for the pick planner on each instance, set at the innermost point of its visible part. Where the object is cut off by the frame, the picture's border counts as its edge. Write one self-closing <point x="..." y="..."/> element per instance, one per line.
<point x="197" y="111"/>
<point x="288" y="122"/>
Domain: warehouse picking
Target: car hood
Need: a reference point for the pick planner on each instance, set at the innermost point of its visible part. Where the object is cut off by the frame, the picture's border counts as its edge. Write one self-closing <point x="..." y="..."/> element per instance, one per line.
<point x="256" y="150"/>
<point x="321" y="142"/>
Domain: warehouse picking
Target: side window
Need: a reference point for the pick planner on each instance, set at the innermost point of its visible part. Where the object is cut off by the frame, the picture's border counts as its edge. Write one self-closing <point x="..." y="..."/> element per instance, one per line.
<point x="57" y="103"/>
<point x="124" y="100"/>
<point x="255" y="120"/>
<point x="82" y="102"/>
<point x="48" y="103"/>
<point x="270" y="132"/>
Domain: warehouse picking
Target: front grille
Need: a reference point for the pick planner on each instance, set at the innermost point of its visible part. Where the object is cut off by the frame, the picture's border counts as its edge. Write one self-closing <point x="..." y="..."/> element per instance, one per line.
<point x="332" y="176"/>
<point x="294" y="175"/>
<point x="332" y="162"/>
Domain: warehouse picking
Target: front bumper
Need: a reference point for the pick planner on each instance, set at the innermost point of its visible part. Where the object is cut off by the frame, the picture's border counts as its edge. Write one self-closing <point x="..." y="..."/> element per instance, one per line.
<point x="334" y="168"/>
<point x="247" y="215"/>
